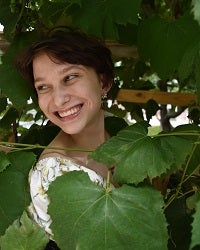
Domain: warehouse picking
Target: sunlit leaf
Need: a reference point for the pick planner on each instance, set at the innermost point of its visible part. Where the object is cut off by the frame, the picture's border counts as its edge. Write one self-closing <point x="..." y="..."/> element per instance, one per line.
<point x="137" y="155"/>
<point x="14" y="188"/>
<point x="90" y="217"/>
<point x="24" y="234"/>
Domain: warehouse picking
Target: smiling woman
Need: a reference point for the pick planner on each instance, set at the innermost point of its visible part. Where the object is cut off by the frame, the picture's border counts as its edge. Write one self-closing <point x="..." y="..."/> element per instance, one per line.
<point x="71" y="73"/>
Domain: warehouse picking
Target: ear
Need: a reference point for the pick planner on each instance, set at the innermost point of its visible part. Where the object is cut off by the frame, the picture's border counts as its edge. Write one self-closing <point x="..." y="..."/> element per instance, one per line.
<point x="106" y="86"/>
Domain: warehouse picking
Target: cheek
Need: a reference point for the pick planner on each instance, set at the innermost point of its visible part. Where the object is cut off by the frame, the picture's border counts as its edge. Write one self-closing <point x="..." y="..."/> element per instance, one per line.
<point x="42" y="104"/>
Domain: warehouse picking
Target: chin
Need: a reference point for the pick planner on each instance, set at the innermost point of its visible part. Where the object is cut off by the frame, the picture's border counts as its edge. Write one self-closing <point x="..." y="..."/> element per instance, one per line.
<point x="72" y="131"/>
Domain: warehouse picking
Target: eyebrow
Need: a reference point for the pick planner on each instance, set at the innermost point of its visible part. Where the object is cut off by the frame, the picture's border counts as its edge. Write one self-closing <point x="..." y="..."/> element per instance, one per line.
<point x="62" y="71"/>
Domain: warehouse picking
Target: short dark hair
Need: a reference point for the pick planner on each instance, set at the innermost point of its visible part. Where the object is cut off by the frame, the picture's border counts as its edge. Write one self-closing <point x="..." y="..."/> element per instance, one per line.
<point x="74" y="47"/>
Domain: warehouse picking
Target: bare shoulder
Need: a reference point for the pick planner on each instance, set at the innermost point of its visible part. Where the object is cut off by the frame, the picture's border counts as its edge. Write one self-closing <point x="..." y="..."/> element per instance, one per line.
<point x="56" y="147"/>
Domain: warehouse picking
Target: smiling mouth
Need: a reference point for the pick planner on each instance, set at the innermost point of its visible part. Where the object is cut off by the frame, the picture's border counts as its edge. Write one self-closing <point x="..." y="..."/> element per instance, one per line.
<point x="71" y="112"/>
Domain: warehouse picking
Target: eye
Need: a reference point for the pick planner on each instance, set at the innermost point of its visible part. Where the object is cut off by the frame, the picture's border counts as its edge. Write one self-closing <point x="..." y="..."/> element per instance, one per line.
<point x="41" y="87"/>
<point x="70" y="77"/>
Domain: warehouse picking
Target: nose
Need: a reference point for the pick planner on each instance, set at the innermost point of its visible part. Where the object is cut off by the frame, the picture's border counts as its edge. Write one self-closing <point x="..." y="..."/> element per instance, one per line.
<point x="60" y="97"/>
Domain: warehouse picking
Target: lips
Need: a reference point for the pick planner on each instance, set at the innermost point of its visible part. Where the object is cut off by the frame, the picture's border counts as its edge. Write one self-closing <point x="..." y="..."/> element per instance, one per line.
<point x="70" y="112"/>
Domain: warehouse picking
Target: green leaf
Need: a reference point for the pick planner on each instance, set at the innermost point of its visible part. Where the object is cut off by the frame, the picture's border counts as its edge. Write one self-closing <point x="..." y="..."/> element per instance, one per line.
<point x="193" y="200"/>
<point x="14" y="188"/>
<point x="3" y="104"/>
<point x="90" y="217"/>
<point x="158" y="42"/>
<point x="70" y="1"/>
<point x="188" y="60"/>
<point x="114" y="124"/>
<point x="194" y="162"/>
<point x="22" y="161"/>
<point x="136" y="155"/>
<point x="123" y="13"/>
<point x="104" y="15"/>
<point x="11" y="83"/>
<point x="195" y="240"/>
<point x="196" y="10"/>
<point x="51" y="12"/>
<point x="23" y="234"/>
<point x="179" y="217"/>
<point x="4" y="161"/>
<point x="7" y="18"/>
<point x="197" y="75"/>
<point x="151" y="108"/>
<point x="9" y="118"/>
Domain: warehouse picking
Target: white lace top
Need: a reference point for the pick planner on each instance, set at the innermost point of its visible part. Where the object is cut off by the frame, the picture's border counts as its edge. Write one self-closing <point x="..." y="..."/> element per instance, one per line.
<point x="41" y="176"/>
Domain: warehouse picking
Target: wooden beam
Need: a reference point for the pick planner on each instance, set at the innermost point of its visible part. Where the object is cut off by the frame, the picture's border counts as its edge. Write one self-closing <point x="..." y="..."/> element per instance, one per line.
<point x="143" y="96"/>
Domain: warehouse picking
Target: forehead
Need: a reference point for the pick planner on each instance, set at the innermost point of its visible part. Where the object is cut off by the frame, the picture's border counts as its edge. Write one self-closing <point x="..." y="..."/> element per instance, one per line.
<point x="45" y="67"/>
<point x="44" y="61"/>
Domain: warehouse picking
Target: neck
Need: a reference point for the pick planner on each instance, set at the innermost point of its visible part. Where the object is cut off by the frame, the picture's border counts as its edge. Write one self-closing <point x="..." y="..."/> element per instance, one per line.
<point x="90" y="138"/>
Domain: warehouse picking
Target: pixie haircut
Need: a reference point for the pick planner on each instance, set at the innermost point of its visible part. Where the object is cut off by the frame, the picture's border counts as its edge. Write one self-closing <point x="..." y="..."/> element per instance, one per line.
<point x="67" y="45"/>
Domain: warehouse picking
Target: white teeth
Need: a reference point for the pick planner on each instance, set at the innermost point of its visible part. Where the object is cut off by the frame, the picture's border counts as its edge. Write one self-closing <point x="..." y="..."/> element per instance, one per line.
<point x="69" y="112"/>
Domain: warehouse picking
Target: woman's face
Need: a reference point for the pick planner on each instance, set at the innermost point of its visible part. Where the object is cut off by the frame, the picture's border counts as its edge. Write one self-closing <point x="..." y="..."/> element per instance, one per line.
<point x="68" y="94"/>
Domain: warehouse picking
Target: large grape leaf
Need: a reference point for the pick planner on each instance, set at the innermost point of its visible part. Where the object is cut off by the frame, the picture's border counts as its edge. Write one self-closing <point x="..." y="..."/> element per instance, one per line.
<point x="195" y="240"/>
<point x="23" y="234"/>
<point x="87" y="217"/>
<point x="158" y="41"/>
<point x="137" y="155"/>
<point x="14" y="188"/>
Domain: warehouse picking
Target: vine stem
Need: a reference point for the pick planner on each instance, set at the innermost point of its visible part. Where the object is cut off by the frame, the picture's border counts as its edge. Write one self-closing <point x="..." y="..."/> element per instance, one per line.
<point x="20" y="15"/>
<point x="108" y="181"/>
<point x="195" y="133"/>
<point x="21" y="146"/>
<point x="183" y="180"/>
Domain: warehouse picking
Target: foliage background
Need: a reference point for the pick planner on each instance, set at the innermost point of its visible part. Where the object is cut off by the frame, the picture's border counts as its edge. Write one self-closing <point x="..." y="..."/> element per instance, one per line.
<point x="155" y="45"/>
